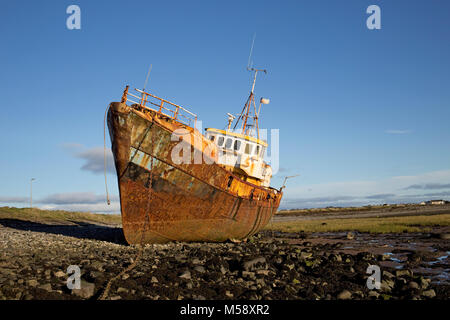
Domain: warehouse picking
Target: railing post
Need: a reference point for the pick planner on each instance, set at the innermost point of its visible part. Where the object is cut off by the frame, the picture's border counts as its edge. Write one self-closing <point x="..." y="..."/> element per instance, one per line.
<point x="161" y="105"/>
<point x="145" y="100"/>
<point x="176" y="113"/>
<point x="124" y="95"/>
<point x="142" y="100"/>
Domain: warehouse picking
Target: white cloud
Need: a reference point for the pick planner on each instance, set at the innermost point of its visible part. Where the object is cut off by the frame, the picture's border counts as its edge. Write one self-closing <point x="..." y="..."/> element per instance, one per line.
<point x="391" y="190"/>
<point x="71" y="201"/>
<point x="87" y="207"/>
<point x="93" y="158"/>
<point x="74" y="198"/>
<point x="14" y="199"/>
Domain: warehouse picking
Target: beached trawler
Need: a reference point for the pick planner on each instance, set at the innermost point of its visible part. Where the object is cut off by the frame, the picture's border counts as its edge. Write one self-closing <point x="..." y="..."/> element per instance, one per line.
<point x="177" y="184"/>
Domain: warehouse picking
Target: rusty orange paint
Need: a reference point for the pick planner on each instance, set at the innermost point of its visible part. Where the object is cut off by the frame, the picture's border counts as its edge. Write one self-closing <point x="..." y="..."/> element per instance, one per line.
<point x="183" y="202"/>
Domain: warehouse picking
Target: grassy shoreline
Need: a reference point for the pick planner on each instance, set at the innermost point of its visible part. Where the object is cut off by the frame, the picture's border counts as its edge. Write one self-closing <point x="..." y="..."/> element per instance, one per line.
<point x="413" y="223"/>
<point x="418" y="223"/>
<point x="49" y="216"/>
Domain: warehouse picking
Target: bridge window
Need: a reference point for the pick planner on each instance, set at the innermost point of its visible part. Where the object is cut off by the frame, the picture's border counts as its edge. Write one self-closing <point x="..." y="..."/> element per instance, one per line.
<point x="220" y="141"/>
<point x="237" y="145"/>
<point x="229" y="143"/>
<point x="211" y="137"/>
<point x="257" y="150"/>
<point x="248" y="148"/>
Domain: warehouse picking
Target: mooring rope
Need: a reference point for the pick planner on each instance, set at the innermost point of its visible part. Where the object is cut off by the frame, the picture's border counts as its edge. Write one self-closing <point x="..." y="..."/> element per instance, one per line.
<point x="104" y="154"/>
<point x="141" y="244"/>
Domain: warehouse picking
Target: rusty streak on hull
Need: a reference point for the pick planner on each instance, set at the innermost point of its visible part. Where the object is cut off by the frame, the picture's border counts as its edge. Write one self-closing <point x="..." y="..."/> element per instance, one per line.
<point x="189" y="202"/>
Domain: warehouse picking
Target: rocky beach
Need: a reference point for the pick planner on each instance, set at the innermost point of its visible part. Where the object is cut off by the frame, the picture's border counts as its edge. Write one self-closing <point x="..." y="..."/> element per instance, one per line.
<point x="34" y="258"/>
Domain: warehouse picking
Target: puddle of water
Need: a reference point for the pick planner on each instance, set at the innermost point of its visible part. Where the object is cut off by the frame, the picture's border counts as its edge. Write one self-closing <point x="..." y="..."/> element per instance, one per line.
<point x="440" y="259"/>
<point x="390" y="254"/>
<point x="438" y="276"/>
<point x="443" y="278"/>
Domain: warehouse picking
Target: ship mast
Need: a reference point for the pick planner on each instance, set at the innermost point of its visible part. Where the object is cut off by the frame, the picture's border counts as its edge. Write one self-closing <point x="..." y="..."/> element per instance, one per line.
<point x="246" y="111"/>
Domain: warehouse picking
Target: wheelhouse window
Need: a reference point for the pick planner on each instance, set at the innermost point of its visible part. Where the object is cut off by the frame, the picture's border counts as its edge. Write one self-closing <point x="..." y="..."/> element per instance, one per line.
<point x="248" y="148"/>
<point x="237" y="145"/>
<point x="212" y="137"/>
<point x="257" y="150"/>
<point x="229" y="143"/>
<point x="220" y="141"/>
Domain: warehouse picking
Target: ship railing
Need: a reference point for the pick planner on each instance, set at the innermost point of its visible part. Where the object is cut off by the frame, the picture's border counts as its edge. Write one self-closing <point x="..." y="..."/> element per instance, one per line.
<point x="147" y="101"/>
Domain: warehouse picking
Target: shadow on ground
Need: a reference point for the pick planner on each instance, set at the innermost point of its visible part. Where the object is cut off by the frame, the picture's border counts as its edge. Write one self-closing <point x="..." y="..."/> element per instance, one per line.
<point x="81" y="230"/>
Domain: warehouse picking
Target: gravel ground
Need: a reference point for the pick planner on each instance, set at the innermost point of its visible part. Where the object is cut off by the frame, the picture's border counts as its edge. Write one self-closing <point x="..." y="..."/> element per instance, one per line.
<point x="33" y="265"/>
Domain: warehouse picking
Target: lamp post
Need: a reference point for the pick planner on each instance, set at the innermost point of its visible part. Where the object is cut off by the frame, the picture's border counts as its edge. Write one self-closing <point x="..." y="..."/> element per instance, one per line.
<point x="31" y="192"/>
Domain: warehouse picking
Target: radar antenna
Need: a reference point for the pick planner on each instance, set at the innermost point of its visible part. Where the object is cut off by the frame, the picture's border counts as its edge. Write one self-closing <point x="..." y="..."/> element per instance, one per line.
<point x="230" y="120"/>
<point x="246" y="113"/>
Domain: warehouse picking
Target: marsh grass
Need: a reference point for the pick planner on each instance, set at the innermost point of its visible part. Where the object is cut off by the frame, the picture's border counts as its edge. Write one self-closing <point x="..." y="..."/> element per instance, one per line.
<point x="371" y="225"/>
<point x="36" y="214"/>
<point x="342" y="209"/>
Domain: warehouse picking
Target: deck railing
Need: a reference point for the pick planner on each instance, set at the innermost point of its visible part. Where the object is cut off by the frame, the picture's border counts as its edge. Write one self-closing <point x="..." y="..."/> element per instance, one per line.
<point x="167" y="108"/>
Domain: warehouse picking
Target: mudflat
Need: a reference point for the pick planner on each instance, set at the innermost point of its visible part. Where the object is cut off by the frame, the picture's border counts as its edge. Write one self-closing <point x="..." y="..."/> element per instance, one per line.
<point x="35" y="255"/>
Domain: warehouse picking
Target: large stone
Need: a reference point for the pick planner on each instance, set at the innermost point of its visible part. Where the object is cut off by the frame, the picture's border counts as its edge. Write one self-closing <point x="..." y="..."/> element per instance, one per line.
<point x="60" y="274"/>
<point x="86" y="290"/>
<point x="413" y="285"/>
<point x="32" y="283"/>
<point x="387" y="285"/>
<point x="46" y="287"/>
<point x="444" y="236"/>
<point x="429" y="293"/>
<point x="185" y="275"/>
<point x="305" y="255"/>
<point x="97" y="265"/>
<point x="344" y="295"/>
<point x="258" y="263"/>
<point x="424" y="283"/>
<point x="199" y="269"/>
<point x="122" y="289"/>
<point x="402" y="273"/>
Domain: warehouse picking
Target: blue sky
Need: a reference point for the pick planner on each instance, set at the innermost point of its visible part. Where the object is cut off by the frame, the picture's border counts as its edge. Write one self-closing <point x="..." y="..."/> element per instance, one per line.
<point x="363" y="114"/>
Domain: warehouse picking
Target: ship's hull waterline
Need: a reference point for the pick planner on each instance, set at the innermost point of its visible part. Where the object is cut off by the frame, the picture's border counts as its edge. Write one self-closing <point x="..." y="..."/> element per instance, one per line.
<point x="188" y="201"/>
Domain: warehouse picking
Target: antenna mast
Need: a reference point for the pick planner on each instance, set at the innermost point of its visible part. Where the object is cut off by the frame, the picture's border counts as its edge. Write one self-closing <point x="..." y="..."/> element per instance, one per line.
<point x="245" y="114"/>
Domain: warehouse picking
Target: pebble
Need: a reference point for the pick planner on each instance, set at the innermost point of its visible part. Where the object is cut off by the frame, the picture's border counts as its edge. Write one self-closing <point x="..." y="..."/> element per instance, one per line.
<point x="255" y="264"/>
<point x="199" y="269"/>
<point x="32" y="283"/>
<point x="344" y="295"/>
<point x="267" y="268"/>
<point x="46" y="287"/>
<point x="429" y="293"/>
<point x="86" y="290"/>
<point x="185" y="275"/>
<point x="413" y="285"/>
<point x="60" y="274"/>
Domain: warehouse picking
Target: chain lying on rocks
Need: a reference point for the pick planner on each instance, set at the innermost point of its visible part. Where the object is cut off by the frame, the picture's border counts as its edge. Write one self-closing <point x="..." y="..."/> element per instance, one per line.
<point x="144" y="228"/>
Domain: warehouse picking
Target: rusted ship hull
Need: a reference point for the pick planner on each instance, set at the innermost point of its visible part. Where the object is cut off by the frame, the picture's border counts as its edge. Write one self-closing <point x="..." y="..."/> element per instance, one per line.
<point x="162" y="201"/>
